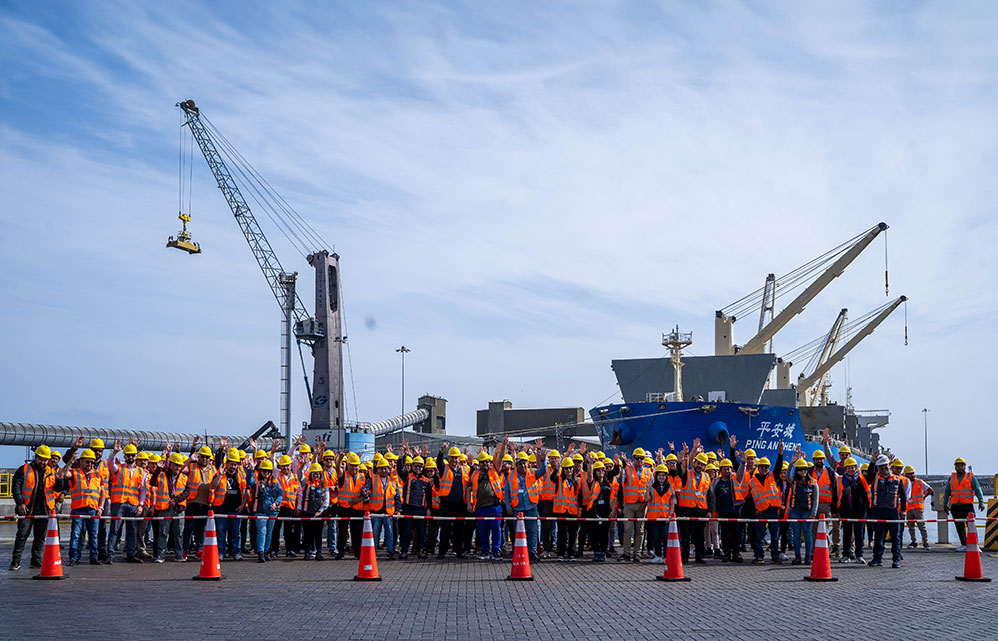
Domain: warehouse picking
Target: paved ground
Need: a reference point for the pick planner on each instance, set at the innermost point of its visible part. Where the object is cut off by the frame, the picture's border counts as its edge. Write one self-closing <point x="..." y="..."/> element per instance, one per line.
<point x="441" y="601"/>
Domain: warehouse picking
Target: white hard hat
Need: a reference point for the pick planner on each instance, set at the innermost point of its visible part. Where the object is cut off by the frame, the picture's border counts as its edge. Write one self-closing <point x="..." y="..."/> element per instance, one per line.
<point x="883" y="460"/>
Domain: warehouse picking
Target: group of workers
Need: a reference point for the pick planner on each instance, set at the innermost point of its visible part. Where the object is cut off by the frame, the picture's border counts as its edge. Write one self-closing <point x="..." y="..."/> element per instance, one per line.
<point x="599" y="502"/>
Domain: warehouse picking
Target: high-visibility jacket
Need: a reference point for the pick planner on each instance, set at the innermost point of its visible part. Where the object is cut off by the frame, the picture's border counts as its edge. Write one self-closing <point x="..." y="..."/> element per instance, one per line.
<point x="218" y="494"/>
<point x="150" y="491"/>
<point x="635" y="485"/>
<point x="126" y="483"/>
<point x="105" y="474"/>
<point x="614" y="490"/>
<point x="694" y="493"/>
<point x="180" y="491"/>
<point x="161" y="492"/>
<point x="30" y="480"/>
<point x="447" y="479"/>
<point x="350" y="488"/>
<point x="792" y="494"/>
<point x="434" y="497"/>
<point x="196" y="478"/>
<point x="533" y="487"/>
<point x="917" y="499"/>
<point x="382" y="499"/>
<point x="658" y="507"/>
<point x="765" y="494"/>
<point x="890" y="494"/>
<point x="495" y="480"/>
<point x="86" y="489"/>
<point x="289" y="490"/>
<point x="961" y="491"/>
<point x="742" y="485"/>
<point x="566" y="500"/>
<point x="840" y="487"/>
<point x="548" y="487"/>
<point x="824" y="481"/>
<point x="329" y="479"/>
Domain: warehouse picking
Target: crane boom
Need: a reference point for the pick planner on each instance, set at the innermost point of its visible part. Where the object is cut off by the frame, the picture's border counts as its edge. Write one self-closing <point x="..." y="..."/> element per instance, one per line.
<point x="758" y="342"/>
<point x="819" y="356"/>
<point x="807" y="381"/>
<point x="820" y="393"/>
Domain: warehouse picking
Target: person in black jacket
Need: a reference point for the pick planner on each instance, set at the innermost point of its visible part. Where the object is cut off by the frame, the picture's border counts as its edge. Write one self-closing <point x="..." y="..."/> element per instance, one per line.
<point x="853" y="503"/>
<point x="34" y="487"/>
<point x="889" y="504"/>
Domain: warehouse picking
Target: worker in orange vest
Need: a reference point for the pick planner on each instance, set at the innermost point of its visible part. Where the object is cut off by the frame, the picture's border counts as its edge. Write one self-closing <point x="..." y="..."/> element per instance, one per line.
<point x="918" y="490"/>
<point x="166" y="487"/>
<point x="314" y="501"/>
<point x="764" y="495"/>
<point x="200" y="471"/>
<point x="825" y="477"/>
<point x="351" y="498"/>
<point x="290" y="501"/>
<point x="228" y="496"/>
<point x="128" y="495"/>
<point x="484" y="498"/>
<point x="692" y="501"/>
<point x="566" y="506"/>
<point x="433" y="526"/>
<point x="853" y="503"/>
<point x="452" y="482"/>
<point x="722" y="498"/>
<point x="522" y="493"/>
<point x="661" y="505"/>
<point x="958" y="500"/>
<point x="545" y="464"/>
<point x="889" y="503"/>
<point x="87" y="498"/>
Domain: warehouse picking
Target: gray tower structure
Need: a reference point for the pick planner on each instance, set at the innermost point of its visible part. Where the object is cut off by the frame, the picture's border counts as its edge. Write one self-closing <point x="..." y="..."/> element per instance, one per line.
<point x="327" y="352"/>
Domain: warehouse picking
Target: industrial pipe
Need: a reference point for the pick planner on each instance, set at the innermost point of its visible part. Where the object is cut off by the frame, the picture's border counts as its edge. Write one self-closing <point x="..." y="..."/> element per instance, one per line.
<point x="33" y="435"/>
<point x="390" y="425"/>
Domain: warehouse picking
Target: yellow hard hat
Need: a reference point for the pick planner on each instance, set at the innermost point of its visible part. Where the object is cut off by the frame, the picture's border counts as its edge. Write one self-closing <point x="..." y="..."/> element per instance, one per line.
<point x="377" y="456"/>
<point x="845" y="450"/>
<point x="142" y="456"/>
<point x="520" y="456"/>
<point x="671" y="457"/>
<point x="649" y="462"/>
<point x="809" y="464"/>
<point x="391" y="456"/>
<point x="130" y="449"/>
<point x="328" y="454"/>
<point x="314" y="467"/>
<point x="353" y="459"/>
<point x="725" y="463"/>
<point x="818" y="454"/>
<point x="383" y="463"/>
<point x="232" y="455"/>
<point x="431" y="464"/>
<point x="464" y="458"/>
<point x="408" y="460"/>
<point x="260" y="454"/>
<point x="850" y="461"/>
<point x="205" y="451"/>
<point x="800" y="465"/>
<point x="763" y="462"/>
<point x="897" y="463"/>
<point x="284" y="460"/>
<point x="96" y="444"/>
<point x="554" y="453"/>
<point x="639" y="453"/>
<point x="600" y="455"/>
<point x="598" y="465"/>
<point x="567" y="462"/>
<point x="154" y="458"/>
<point x="453" y="452"/>
<point x="750" y="453"/>
<point x="483" y="456"/>
<point x="242" y="454"/>
<point x="506" y="458"/>
<point x="304" y="448"/>
<point x="959" y="460"/>
<point x="577" y="457"/>
<point x="786" y="465"/>
<point x="711" y="456"/>
<point x="266" y="465"/>
<point x="710" y="466"/>
<point x="56" y="454"/>
<point x="89" y="455"/>
<point x="418" y="460"/>
<point x="662" y="468"/>
<point x="909" y="470"/>
<point x="865" y="467"/>
<point x="701" y="458"/>
<point x="532" y="458"/>
<point x="177" y="458"/>
<point x="185" y="457"/>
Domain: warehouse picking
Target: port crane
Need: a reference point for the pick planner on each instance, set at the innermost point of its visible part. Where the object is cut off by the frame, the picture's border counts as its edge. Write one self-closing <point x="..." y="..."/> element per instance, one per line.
<point x="823" y="270"/>
<point x="321" y="331"/>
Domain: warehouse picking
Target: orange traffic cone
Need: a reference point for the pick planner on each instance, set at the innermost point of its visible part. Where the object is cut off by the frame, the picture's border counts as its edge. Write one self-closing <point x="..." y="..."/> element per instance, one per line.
<point x="52" y="558"/>
<point x="673" y="558"/>
<point x="971" y="560"/>
<point x="821" y="563"/>
<point x="368" y="569"/>
<point x="521" y="556"/>
<point x="211" y="569"/>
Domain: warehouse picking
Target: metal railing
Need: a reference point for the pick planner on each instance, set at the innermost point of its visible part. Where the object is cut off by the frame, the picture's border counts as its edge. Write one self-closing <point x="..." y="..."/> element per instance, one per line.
<point x="6" y="485"/>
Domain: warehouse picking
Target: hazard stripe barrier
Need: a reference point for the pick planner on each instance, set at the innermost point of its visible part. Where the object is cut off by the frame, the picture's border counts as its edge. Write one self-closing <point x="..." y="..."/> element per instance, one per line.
<point x="712" y="519"/>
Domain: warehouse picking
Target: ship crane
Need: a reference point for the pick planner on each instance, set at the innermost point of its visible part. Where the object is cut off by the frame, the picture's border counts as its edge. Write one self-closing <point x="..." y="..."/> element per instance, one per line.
<point x="823" y="270"/>
<point x="321" y="332"/>
<point x="817" y="353"/>
<point x="810" y="387"/>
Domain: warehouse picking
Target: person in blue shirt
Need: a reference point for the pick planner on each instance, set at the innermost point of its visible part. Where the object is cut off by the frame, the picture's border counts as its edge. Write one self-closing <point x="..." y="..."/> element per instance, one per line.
<point x="266" y="502"/>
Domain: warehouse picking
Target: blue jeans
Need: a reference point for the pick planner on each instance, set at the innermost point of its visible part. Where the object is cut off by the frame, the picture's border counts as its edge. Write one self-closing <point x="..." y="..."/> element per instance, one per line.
<point x="76" y="534"/>
<point x="264" y="529"/>
<point x="799" y="529"/>
<point x="774" y="534"/>
<point x="379" y="521"/>
<point x="126" y="510"/>
<point x="530" y="525"/>
<point x="227" y="531"/>
<point x="331" y="531"/>
<point x="489" y="531"/>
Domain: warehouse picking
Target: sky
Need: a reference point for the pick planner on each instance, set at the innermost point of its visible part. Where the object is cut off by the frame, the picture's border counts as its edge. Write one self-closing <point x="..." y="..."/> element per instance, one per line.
<point x="519" y="193"/>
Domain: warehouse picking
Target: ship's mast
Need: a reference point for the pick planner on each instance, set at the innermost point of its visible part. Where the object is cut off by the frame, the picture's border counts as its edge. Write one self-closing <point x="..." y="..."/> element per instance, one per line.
<point x="676" y="341"/>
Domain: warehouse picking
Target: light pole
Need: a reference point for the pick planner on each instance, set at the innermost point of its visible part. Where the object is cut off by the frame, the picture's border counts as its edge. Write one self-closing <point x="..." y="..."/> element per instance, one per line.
<point x="403" y="351"/>
<point x="925" y="435"/>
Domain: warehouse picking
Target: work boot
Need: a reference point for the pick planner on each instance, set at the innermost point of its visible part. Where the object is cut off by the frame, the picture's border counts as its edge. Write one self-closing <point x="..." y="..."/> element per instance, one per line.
<point x="319" y="557"/>
<point x="834" y="550"/>
<point x="14" y="566"/>
<point x="260" y="558"/>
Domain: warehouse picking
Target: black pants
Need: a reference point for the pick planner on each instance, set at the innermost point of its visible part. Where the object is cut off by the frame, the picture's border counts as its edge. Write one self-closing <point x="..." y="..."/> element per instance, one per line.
<point x="599" y="534"/>
<point x="961" y="511"/>
<point x="567" y="531"/>
<point x="432" y="532"/>
<point x="852" y="533"/>
<point x="26" y="527"/>
<point x="353" y="528"/>
<point x="691" y="531"/>
<point x="546" y="508"/>
<point x="413" y="530"/>
<point x="312" y="536"/>
<point x="746" y="531"/>
<point x="784" y="530"/>
<point x="730" y="539"/>
<point x="292" y="532"/>
<point x="452" y="532"/>
<point x="880" y="531"/>
<point x="102" y="532"/>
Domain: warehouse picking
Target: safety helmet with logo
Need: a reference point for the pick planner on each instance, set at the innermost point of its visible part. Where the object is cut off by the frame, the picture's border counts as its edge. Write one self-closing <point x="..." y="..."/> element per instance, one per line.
<point x="130" y="449"/>
<point x="909" y="469"/>
<point x="882" y="460"/>
<point x="418" y="461"/>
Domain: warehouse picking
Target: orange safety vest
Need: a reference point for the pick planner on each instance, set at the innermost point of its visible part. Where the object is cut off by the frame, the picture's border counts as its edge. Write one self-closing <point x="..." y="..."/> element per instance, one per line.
<point x="125" y="485"/>
<point x="447" y="478"/>
<point x="161" y="493"/>
<point x="567" y="498"/>
<point x="197" y="478"/>
<point x="635" y="485"/>
<point x="741" y="485"/>
<point x="658" y="507"/>
<point x="382" y="495"/>
<point x="824" y="481"/>
<point x="329" y="478"/>
<point x="289" y="490"/>
<point x="548" y="487"/>
<point x="917" y="500"/>
<point x="533" y="488"/>
<point x="47" y="484"/>
<point x="434" y="497"/>
<point x="694" y="493"/>
<point x="894" y="496"/>
<point x="614" y="489"/>
<point x="218" y="494"/>
<point x="862" y="481"/>
<point x="495" y="480"/>
<point x="103" y="472"/>
<point x="961" y="492"/>
<point x="765" y="495"/>
<point x="180" y="491"/>
<point x="86" y="490"/>
<point x="350" y="488"/>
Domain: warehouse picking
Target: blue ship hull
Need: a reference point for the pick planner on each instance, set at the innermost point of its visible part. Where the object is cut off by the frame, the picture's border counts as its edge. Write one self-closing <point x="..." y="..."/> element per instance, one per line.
<point x="653" y="425"/>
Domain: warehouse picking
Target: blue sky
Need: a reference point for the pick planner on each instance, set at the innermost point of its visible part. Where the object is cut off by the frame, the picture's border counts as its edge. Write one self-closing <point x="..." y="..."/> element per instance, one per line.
<point x="519" y="193"/>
